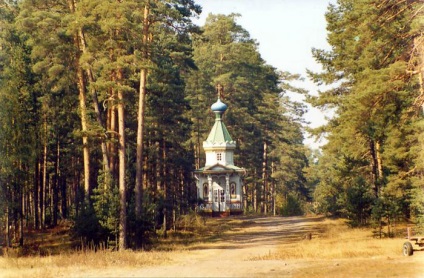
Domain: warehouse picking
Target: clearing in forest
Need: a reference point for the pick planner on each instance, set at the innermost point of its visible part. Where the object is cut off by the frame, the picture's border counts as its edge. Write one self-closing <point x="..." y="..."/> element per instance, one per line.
<point x="240" y="247"/>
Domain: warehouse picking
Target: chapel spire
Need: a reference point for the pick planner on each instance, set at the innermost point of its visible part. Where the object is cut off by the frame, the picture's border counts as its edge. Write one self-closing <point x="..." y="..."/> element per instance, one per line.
<point x="220" y="91"/>
<point x="219" y="133"/>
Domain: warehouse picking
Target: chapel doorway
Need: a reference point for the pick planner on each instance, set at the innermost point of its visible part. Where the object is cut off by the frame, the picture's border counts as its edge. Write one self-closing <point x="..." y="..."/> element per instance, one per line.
<point x="219" y="202"/>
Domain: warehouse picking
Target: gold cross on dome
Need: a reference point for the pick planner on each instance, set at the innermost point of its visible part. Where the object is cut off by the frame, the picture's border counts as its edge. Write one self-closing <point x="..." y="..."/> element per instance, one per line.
<point x="220" y="91"/>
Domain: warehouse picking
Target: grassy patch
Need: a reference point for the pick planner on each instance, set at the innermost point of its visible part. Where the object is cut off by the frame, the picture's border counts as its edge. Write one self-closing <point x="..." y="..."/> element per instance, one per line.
<point x="49" y="266"/>
<point x="199" y="231"/>
<point x="58" y="257"/>
<point x="335" y="240"/>
<point x="44" y="242"/>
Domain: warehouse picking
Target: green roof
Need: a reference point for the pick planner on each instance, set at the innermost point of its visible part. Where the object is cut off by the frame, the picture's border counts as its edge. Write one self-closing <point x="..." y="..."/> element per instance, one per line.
<point x="219" y="132"/>
<point x="226" y="168"/>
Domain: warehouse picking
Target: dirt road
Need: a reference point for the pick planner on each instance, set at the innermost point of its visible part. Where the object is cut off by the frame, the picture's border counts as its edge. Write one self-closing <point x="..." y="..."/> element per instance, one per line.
<point x="238" y="254"/>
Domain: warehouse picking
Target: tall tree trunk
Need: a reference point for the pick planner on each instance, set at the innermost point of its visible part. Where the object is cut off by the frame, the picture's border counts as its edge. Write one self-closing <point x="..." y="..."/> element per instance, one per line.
<point x="274" y="193"/>
<point x="419" y="53"/>
<point x="84" y="127"/>
<point x="374" y="168"/>
<point x="64" y="197"/>
<point x="56" y="184"/>
<point x="379" y="160"/>
<point x="96" y="106"/>
<point x="83" y="111"/>
<point x="21" y="213"/>
<point x="265" y="179"/>
<point x="75" y="185"/>
<point x="81" y="44"/>
<point x="44" y="185"/>
<point x="36" y="192"/>
<point x="184" y="196"/>
<point x="122" y="170"/>
<point x="111" y="126"/>
<point x="141" y="108"/>
<point x="21" y="220"/>
<point x="254" y="194"/>
<point x="166" y="188"/>
<point x="377" y="169"/>
<point x="7" y="232"/>
<point x="197" y="146"/>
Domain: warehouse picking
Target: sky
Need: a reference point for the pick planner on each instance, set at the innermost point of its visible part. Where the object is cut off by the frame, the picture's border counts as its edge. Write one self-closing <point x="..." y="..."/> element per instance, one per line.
<point x="286" y="31"/>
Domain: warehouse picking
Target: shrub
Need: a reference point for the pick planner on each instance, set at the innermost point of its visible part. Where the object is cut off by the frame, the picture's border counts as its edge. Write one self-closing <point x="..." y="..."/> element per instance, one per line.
<point x="292" y="206"/>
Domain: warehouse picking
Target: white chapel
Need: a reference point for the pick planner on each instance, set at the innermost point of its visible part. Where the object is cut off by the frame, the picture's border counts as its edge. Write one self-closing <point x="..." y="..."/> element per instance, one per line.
<point x="219" y="183"/>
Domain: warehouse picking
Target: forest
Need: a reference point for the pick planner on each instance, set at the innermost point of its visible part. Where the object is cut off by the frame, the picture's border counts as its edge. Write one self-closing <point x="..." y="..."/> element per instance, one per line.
<point x="104" y="106"/>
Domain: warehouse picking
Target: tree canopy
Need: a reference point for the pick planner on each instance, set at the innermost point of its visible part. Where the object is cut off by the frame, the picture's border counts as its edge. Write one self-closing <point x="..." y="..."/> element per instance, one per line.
<point x="103" y="108"/>
<point x="373" y="139"/>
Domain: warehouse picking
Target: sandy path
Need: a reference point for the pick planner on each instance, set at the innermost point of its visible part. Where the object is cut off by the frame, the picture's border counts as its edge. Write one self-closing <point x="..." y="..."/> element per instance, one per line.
<point x="236" y="253"/>
<point x="232" y="255"/>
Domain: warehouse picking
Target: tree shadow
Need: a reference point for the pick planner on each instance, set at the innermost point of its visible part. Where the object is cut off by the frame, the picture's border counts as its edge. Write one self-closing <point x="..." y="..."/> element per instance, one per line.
<point x="253" y="231"/>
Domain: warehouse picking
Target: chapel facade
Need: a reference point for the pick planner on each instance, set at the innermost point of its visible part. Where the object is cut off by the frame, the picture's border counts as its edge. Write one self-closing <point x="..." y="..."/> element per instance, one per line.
<point x="219" y="183"/>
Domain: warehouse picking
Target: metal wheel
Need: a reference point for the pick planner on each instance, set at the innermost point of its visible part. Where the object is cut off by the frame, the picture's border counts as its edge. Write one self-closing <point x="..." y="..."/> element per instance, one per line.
<point x="407" y="249"/>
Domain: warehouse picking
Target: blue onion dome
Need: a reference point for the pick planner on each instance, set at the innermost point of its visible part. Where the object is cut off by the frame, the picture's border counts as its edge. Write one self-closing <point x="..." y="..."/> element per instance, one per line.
<point x="219" y="106"/>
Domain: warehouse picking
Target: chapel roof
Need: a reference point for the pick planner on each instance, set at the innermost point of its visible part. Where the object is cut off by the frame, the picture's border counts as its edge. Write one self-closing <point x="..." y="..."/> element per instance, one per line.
<point x="219" y="106"/>
<point x="219" y="132"/>
<point x="221" y="169"/>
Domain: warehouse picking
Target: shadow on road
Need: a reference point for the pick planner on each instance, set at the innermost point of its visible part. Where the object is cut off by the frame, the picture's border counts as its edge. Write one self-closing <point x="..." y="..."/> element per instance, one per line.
<point x="254" y="231"/>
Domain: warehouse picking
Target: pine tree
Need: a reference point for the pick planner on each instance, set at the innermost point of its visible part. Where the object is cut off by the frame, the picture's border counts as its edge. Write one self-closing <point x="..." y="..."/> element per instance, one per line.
<point x="416" y="68"/>
<point x="176" y="24"/>
<point x="371" y="94"/>
<point x="18" y="121"/>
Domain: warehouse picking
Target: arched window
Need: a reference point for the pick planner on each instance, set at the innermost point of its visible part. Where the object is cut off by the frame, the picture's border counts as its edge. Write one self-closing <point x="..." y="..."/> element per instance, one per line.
<point x="233" y="190"/>
<point x="206" y="191"/>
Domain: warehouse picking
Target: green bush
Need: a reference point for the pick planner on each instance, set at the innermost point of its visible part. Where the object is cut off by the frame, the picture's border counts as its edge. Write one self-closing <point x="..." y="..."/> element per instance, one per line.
<point x="292" y="206"/>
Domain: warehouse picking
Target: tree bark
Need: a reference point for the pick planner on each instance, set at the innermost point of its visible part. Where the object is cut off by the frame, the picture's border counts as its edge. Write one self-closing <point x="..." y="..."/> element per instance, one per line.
<point x="64" y="197"/>
<point x="81" y="45"/>
<point x="112" y="129"/>
<point x="7" y="232"/>
<point x="141" y="108"/>
<point x="44" y="185"/>
<point x="56" y="184"/>
<point x="265" y="179"/>
<point x="274" y="193"/>
<point x="36" y="194"/>
<point x="419" y="53"/>
<point x="21" y="201"/>
<point x="379" y="160"/>
<point x="374" y="168"/>
<point x="254" y="194"/>
<point x="84" y="128"/>
<point x="122" y="170"/>
<point x="96" y="106"/>
<point x="83" y="111"/>
<point x="140" y="132"/>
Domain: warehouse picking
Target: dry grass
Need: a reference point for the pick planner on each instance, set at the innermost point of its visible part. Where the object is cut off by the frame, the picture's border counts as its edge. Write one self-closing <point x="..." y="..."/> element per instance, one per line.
<point x="333" y="250"/>
<point x="50" y="266"/>
<point x="61" y="260"/>
<point x="335" y="240"/>
<point x="199" y="230"/>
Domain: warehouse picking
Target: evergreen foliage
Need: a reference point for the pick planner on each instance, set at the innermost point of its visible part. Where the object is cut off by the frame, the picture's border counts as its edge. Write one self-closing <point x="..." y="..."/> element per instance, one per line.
<point x="264" y="122"/>
<point x="372" y="138"/>
<point x="71" y="81"/>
